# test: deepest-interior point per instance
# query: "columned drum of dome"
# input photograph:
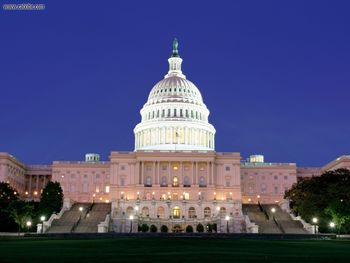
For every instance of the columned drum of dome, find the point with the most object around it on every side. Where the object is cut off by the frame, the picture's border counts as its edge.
(174, 116)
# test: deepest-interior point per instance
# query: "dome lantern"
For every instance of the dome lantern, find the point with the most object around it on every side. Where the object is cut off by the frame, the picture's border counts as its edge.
(175, 61)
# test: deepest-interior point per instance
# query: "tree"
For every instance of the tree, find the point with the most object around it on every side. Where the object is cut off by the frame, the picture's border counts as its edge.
(164, 229)
(20, 212)
(153, 228)
(210, 228)
(51, 199)
(325, 197)
(200, 228)
(189, 229)
(144, 228)
(7, 195)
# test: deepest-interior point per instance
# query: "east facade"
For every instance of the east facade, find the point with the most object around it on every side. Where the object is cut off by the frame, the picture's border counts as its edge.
(174, 173)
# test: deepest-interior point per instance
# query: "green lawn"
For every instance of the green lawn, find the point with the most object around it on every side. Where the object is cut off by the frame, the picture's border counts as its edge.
(172, 249)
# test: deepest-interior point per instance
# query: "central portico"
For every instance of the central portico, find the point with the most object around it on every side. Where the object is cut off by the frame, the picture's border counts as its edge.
(177, 186)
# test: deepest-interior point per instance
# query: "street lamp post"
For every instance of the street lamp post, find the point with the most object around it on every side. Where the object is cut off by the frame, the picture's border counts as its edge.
(42, 219)
(227, 218)
(332, 225)
(131, 217)
(29, 224)
(314, 221)
(273, 210)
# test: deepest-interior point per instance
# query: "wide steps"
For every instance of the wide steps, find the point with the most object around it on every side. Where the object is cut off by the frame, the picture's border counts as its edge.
(89, 223)
(285, 223)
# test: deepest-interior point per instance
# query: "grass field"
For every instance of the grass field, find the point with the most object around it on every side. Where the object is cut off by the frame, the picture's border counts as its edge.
(172, 249)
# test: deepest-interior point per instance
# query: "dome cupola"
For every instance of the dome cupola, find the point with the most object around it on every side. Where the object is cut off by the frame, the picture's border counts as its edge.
(174, 116)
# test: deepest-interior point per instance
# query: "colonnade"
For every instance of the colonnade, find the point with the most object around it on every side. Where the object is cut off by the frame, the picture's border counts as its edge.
(193, 170)
(174, 135)
(35, 183)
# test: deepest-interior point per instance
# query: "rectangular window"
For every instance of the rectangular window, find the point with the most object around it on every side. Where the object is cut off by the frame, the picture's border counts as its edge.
(228, 168)
(275, 177)
(107, 189)
(286, 177)
(85, 187)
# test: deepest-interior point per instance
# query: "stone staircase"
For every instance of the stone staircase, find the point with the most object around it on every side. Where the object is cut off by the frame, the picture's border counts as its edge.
(277, 222)
(69, 219)
(85, 221)
(285, 221)
(258, 217)
(97, 214)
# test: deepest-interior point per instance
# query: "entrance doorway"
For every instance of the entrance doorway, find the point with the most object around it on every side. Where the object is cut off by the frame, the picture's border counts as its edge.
(176, 212)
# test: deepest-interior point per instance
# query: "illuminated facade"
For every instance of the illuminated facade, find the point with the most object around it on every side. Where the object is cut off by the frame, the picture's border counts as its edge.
(174, 176)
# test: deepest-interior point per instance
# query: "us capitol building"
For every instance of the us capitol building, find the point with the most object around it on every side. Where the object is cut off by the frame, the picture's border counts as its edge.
(174, 176)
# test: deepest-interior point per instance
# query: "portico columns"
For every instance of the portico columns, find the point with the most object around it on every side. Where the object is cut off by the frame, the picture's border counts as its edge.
(30, 185)
(37, 183)
(154, 174)
(212, 172)
(142, 171)
(193, 174)
(169, 179)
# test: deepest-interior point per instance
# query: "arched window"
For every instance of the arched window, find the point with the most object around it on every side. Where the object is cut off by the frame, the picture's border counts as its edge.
(145, 212)
(202, 181)
(85, 187)
(129, 211)
(161, 212)
(164, 181)
(176, 212)
(148, 181)
(227, 181)
(207, 212)
(175, 181)
(222, 211)
(187, 181)
(191, 212)
(122, 181)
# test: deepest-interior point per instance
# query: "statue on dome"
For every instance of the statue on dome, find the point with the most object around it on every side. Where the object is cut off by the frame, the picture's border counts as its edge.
(175, 48)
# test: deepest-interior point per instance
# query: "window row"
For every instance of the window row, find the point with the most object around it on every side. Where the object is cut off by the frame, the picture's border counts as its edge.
(174, 113)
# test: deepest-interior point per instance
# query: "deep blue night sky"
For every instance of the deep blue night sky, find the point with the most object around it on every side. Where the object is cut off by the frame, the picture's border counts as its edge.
(274, 74)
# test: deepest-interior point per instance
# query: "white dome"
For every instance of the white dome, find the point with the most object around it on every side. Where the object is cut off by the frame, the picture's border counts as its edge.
(174, 116)
(175, 89)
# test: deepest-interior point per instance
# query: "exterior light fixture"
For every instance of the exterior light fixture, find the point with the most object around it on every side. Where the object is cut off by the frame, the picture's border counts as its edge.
(315, 220)
(227, 218)
(273, 210)
(81, 209)
(332, 225)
